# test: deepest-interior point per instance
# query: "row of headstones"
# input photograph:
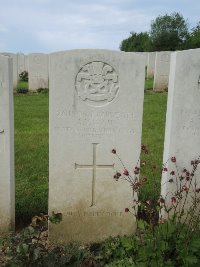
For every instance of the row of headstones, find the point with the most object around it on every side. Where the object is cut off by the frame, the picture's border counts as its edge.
(96, 104)
(37, 64)
(157, 68)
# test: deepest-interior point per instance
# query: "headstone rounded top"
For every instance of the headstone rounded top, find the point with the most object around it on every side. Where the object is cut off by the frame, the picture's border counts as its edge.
(97, 83)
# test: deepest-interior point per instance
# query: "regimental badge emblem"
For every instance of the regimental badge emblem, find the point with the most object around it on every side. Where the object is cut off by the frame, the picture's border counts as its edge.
(97, 83)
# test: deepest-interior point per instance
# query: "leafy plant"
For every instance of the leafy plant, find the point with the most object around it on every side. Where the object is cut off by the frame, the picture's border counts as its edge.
(23, 76)
(168, 228)
(137, 42)
(194, 40)
(30, 247)
(43, 90)
(169, 32)
(22, 90)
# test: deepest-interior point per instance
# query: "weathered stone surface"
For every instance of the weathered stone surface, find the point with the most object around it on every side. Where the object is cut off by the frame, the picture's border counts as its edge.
(151, 64)
(7, 184)
(145, 55)
(15, 67)
(26, 62)
(96, 104)
(161, 72)
(38, 71)
(21, 63)
(182, 133)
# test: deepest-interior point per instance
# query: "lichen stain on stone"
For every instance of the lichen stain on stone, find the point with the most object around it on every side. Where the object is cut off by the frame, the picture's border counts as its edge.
(5, 225)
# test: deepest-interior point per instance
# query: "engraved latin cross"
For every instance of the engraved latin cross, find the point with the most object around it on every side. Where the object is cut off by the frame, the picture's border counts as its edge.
(94, 166)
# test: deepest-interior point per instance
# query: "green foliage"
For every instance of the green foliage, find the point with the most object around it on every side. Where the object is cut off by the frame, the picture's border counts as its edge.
(194, 40)
(173, 238)
(118, 251)
(30, 248)
(22, 87)
(43, 90)
(23, 76)
(169, 32)
(137, 42)
(22, 90)
(26, 247)
(161, 246)
(55, 218)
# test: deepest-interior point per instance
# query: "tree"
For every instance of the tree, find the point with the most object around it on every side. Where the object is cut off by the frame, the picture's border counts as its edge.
(194, 41)
(169, 32)
(137, 42)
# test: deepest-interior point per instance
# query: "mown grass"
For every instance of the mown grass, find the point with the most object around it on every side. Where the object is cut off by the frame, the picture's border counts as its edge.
(31, 148)
(153, 129)
(149, 84)
(31, 155)
(22, 85)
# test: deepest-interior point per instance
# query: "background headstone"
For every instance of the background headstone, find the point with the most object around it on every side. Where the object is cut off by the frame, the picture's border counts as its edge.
(38, 71)
(182, 132)
(145, 55)
(26, 62)
(151, 64)
(21, 63)
(7, 183)
(15, 67)
(161, 72)
(96, 104)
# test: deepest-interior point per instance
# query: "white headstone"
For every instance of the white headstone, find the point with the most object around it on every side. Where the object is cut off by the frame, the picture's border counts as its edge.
(182, 133)
(15, 67)
(145, 55)
(26, 62)
(96, 104)
(151, 64)
(21, 63)
(161, 72)
(38, 71)
(7, 184)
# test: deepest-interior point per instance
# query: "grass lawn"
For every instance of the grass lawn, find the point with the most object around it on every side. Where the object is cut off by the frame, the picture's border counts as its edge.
(153, 129)
(149, 84)
(22, 84)
(31, 155)
(31, 148)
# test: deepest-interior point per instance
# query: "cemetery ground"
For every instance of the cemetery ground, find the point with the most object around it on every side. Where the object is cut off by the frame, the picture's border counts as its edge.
(31, 169)
(31, 148)
(163, 244)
